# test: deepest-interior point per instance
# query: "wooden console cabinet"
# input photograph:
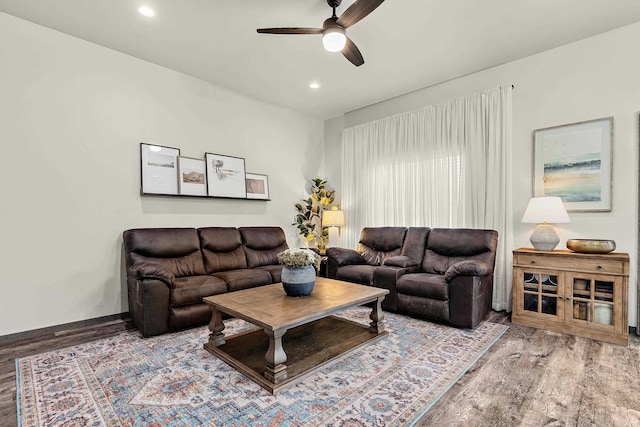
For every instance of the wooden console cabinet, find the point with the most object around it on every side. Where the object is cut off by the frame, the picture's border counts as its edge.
(573, 293)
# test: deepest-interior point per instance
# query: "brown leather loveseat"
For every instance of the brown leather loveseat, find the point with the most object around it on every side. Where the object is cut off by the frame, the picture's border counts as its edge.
(441, 274)
(170, 270)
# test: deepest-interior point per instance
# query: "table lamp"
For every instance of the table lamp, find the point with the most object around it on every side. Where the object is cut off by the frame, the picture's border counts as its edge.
(333, 218)
(543, 211)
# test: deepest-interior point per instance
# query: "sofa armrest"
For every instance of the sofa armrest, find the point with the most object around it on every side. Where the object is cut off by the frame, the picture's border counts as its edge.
(401, 261)
(342, 256)
(470, 300)
(151, 270)
(149, 305)
(467, 268)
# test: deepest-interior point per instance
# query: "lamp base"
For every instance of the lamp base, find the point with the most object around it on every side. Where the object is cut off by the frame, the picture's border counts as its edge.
(544, 238)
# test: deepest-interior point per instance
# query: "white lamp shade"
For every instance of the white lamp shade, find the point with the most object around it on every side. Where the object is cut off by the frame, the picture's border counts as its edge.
(545, 209)
(332, 218)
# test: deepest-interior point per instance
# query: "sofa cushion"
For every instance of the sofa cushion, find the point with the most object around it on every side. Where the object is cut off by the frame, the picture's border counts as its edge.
(424, 285)
(262, 245)
(244, 278)
(188, 316)
(448, 246)
(221, 249)
(361, 273)
(191, 290)
(415, 242)
(379, 243)
(424, 308)
(176, 250)
(275, 271)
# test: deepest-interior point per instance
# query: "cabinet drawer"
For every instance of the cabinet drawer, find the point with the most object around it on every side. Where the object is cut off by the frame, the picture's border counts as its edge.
(581, 264)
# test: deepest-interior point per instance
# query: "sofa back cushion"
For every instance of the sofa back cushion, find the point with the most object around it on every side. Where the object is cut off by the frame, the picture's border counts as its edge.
(221, 249)
(379, 243)
(447, 246)
(175, 249)
(262, 245)
(415, 243)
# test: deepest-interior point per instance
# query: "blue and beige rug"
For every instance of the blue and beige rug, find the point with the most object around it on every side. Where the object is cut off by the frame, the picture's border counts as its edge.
(172, 381)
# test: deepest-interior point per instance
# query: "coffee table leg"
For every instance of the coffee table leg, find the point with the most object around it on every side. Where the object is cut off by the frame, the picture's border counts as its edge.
(276, 370)
(377, 318)
(216, 337)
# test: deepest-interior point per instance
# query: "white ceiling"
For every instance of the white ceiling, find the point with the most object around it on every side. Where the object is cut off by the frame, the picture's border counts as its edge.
(406, 44)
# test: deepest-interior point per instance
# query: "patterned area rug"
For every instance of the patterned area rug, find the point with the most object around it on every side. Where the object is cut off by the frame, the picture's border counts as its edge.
(171, 380)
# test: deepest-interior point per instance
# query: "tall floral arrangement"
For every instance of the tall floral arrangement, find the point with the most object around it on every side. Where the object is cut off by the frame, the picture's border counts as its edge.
(309, 216)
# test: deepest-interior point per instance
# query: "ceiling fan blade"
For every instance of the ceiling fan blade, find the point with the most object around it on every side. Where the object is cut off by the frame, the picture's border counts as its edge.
(357, 11)
(289, 30)
(352, 53)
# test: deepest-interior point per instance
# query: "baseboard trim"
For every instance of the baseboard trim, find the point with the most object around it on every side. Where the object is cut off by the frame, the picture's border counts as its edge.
(66, 328)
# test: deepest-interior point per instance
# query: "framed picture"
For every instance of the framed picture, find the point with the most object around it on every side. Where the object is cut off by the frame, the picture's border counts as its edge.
(192, 176)
(225, 176)
(158, 169)
(257, 186)
(574, 162)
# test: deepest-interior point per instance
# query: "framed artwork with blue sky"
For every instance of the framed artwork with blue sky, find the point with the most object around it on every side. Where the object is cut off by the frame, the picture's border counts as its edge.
(574, 162)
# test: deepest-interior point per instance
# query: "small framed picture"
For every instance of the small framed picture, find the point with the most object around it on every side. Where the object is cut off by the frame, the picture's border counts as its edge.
(225, 176)
(158, 169)
(574, 162)
(192, 176)
(257, 186)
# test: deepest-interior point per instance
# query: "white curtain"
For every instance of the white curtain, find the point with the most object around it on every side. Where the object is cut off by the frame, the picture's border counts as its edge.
(445, 165)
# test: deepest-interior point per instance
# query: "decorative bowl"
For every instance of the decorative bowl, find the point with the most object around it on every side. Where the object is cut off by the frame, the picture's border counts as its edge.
(591, 246)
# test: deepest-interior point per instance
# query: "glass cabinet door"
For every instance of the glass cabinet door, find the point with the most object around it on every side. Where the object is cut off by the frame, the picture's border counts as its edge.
(540, 292)
(592, 299)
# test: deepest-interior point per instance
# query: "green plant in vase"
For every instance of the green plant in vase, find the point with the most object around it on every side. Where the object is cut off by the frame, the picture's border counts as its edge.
(309, 216)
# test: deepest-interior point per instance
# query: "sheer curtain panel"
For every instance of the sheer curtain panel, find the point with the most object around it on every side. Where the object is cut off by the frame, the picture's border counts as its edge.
(444, 165)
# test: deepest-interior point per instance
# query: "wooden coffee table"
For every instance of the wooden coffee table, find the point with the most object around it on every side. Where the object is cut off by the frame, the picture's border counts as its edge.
(313, 337)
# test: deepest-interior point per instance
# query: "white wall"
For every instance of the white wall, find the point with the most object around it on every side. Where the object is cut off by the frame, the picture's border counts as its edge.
(589, 79)
(72, 116)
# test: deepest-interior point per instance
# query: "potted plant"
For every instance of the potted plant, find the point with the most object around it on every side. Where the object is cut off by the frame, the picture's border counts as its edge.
(309, 216)
(299, 272)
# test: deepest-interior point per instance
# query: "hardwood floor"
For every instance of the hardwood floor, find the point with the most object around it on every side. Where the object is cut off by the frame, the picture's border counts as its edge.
(533, 377)
(530, 377)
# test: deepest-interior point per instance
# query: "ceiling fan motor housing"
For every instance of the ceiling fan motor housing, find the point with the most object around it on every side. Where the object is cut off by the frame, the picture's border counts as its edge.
(330, 23)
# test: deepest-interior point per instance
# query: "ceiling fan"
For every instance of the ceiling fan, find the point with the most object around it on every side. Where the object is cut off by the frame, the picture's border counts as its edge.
(334, 37)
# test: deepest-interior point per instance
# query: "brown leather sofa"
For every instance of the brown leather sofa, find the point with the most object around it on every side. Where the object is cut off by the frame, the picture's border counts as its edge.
(170, 270)
(438, 274)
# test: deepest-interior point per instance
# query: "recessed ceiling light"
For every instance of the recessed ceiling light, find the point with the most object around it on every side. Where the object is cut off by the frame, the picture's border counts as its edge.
(314, 85)
(146, 11)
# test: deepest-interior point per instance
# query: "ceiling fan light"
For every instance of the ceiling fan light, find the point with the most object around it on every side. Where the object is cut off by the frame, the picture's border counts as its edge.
(334, 39)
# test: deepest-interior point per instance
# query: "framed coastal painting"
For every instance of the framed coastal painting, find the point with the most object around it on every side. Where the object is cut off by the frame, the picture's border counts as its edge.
(225, 176)
(574, 162)
(158, 169)
(257, 186)
(192, 176)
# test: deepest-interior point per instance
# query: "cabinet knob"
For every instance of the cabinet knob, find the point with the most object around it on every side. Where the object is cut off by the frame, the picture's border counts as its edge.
(599, 267)
(533, 261)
